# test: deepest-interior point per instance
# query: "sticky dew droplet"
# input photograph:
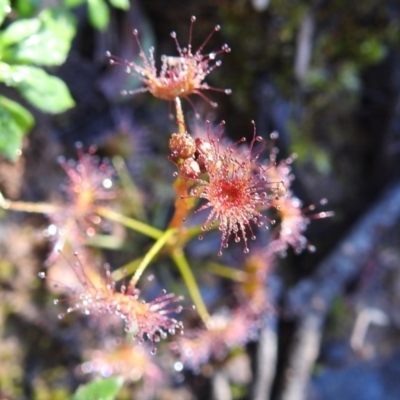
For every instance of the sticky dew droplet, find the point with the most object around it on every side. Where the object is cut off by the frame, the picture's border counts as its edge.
(274, 135)
(311, 248)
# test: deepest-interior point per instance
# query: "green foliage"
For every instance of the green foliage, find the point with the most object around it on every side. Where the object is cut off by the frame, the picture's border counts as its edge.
(46, 92)
(98, 10)
(15, 121)
(99, 15)
(44, 40)
(122, 4)
(4, 9)
(26, 8)
(102, 389)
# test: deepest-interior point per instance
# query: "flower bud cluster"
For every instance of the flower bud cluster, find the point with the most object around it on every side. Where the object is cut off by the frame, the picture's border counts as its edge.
(235, 185)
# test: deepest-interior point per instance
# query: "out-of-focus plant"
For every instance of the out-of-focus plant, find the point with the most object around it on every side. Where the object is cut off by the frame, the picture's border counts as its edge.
(26, 44)
(105, 389)
(98, 10)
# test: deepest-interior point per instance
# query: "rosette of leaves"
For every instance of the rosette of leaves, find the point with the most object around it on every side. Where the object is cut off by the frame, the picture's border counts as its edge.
(26, 45)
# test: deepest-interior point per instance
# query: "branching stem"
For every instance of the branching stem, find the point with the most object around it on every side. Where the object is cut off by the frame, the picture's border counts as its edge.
(130, 223)
(154, 250)
(181, 262)
(40, 208)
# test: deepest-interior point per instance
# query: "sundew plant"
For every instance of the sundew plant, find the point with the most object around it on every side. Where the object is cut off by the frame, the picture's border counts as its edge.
(195, 289)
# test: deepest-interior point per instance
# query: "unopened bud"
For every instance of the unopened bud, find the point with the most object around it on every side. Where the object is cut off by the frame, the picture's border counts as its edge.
(205, 151)
(182, 145)
(281, 189)
(190, 169)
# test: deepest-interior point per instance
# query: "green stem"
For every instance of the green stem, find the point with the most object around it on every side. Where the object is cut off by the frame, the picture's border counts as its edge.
(135, 200)
(130, 223)
(227, 272)
(194, 231)
(110, 242)
(126, 269)
(41, 208)
(184, 268)
(157, 246)
(179, 116)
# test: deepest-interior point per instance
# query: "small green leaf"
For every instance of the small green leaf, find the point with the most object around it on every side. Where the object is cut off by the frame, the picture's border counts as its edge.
(103, 389)
(372, 50)
(322, 161)
(19, 31)
(99, 14)
(25, 8)
(44, 91)
(5, 8)
(122, 4)
(15, 122)
(49, 45)
(73, 3)
(21, 115)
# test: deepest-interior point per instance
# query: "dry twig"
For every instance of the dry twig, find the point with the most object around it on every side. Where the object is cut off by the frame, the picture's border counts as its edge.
(311, 299)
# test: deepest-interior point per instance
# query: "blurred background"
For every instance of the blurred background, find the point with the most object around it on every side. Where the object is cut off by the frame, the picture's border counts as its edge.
(326, 76)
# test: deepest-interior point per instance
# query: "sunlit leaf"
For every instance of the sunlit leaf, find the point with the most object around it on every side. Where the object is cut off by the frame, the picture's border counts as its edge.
(99, 14)
(5, 8)
(103, 389)
(73, 3)
(49, 45)
(122, 4)
(15, 122)
(26, 9)
(19, 31)
(44, 91)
